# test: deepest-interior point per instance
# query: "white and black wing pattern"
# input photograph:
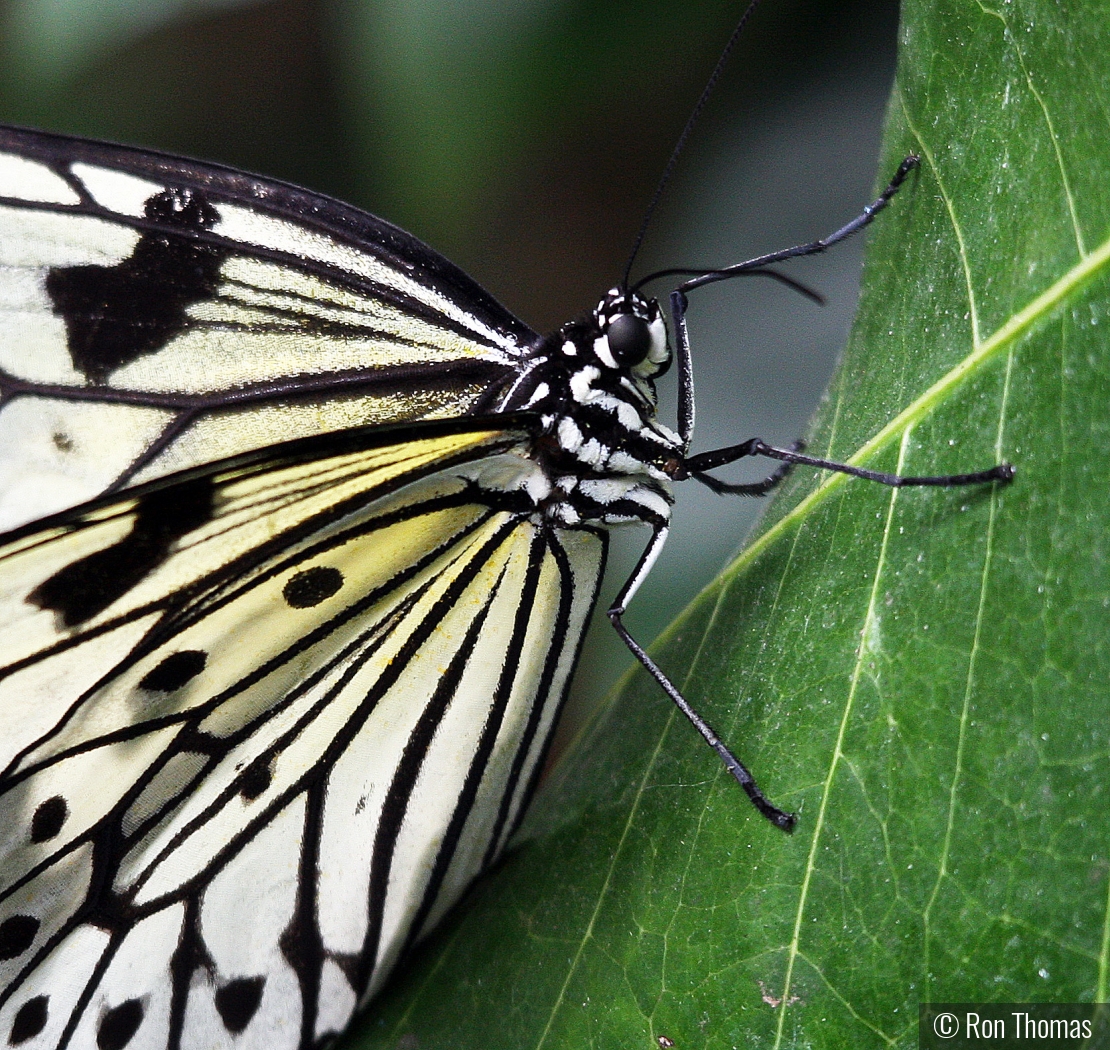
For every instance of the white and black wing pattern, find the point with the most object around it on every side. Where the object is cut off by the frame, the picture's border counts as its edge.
(262, 723)
(158, 313)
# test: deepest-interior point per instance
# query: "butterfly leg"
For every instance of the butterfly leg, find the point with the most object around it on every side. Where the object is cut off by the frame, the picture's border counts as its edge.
(864, 218)
(737, 768)
(695, 466)
(685, 368)
(752, 488)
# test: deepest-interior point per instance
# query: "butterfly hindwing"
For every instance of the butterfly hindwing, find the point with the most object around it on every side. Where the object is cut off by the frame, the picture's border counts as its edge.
(278, 746)
(157, 314)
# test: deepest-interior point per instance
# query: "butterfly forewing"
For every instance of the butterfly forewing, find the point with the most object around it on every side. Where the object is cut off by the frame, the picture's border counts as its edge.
(281, 743)
(156, 314)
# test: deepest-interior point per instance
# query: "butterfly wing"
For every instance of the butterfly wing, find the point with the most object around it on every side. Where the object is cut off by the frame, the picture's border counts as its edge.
(158, 313)
(262, 723)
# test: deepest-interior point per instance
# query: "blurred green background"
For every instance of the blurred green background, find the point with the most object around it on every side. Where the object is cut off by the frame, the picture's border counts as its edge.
(523, 139)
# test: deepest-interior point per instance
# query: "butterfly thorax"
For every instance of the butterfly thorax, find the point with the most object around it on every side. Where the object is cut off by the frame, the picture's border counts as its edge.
(605, 455)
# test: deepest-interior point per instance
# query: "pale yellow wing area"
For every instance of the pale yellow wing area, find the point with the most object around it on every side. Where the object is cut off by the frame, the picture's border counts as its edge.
(297, 698)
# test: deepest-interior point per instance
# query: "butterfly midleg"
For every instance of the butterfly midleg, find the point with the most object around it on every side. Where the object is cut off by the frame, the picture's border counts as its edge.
(752, 488)
(695, 466)
(616, 611)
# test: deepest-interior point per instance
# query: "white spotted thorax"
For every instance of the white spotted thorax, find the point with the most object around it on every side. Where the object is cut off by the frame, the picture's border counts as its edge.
(603, 456)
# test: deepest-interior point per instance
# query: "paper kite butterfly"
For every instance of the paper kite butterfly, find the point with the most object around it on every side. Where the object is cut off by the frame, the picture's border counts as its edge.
(302, 533)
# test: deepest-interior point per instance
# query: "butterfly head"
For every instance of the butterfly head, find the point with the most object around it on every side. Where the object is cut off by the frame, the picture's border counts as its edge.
(631, 334)
(614, 352)
(604, 365)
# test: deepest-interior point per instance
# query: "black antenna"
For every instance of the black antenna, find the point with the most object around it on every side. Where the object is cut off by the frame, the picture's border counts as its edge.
(718, 69)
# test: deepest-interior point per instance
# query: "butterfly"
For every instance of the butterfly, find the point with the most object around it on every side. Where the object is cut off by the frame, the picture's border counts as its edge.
(303, 534)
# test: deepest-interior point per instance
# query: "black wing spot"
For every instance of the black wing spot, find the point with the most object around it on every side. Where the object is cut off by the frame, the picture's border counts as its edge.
(237, 1001)
(16, 935)
(48, 819)
(88, 586)
(116, 314)
(30, 1019)
(312, 586)
(175, 671)
(62, 441)
(256, 779)
(119, 1025)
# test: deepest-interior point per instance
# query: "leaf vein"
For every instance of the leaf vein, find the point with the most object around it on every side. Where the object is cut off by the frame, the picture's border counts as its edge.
(965, 263)
(888, 1039)
(1104, 953)
(587, 934)
(1053, 138)
(965, 707)
(794, 949)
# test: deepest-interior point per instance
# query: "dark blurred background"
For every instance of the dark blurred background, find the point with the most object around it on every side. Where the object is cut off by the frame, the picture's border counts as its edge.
(523, 139)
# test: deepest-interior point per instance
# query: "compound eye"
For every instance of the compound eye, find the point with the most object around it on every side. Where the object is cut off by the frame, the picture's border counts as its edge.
(629, 339)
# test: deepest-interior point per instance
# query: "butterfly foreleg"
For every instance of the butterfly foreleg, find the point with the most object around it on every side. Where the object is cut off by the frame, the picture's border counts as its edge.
(684, 368)
(864, 218)
(737, 768)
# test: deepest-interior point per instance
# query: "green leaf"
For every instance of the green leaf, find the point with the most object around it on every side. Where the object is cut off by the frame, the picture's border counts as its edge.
(920, 674)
